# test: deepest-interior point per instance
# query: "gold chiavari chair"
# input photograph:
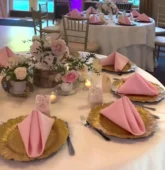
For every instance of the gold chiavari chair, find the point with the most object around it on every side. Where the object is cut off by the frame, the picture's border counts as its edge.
(160, 25)
(39, 18)
(76, 34)
(124, 6)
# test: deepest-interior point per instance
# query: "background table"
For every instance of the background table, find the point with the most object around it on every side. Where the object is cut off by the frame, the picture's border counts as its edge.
(92, 152)
(135, 42)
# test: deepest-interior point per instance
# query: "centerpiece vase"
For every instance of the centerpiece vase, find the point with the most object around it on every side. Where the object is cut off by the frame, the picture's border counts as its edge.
(18, 87)
(44, 78)
(67, 87)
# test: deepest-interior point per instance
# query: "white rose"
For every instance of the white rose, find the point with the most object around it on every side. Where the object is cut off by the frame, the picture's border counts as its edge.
(36, 38)
(12, 61)
(47, 42)
(58, 77)
(21, 73)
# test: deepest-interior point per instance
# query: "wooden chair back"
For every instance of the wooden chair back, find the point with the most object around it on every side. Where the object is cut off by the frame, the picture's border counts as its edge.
(43, 8)
(161, 16)
(36, 16)
(124, 6)
(76, 30)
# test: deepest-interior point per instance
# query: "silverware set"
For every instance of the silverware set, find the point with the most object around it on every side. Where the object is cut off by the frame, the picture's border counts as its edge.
(86, 124)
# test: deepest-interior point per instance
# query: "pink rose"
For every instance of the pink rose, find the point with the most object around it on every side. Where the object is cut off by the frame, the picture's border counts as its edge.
(34, 48)
(58, 47)
(70, 77)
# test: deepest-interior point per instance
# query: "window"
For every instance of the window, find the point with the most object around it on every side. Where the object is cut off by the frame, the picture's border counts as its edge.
(135, 2)
(24, 5)
(21, 5)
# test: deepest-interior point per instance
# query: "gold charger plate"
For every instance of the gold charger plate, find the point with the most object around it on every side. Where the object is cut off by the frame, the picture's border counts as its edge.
(129, 67)
(139, 98)
(12, 147)
(102, 123)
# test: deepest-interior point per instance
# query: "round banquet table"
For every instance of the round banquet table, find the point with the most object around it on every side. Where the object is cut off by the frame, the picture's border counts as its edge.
(92, 151)
(135, 42)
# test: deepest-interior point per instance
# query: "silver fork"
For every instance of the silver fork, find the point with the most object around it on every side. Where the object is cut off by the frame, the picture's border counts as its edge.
(86, 124)
(70, 145)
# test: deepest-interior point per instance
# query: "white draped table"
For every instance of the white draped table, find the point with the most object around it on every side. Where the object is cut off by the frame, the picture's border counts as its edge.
(135, 42)
(92, 151)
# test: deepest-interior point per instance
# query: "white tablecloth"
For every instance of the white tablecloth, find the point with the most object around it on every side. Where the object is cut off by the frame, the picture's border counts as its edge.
(92, 152)
(135, 42)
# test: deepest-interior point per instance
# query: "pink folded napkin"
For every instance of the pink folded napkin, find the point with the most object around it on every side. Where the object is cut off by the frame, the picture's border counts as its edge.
(5, 53)
(43, 104)
(34, 130)
(94, 19)
(118, 60)
(75, 14)
(137, 85)
(91, 10)
(143, 17)
(123, 113)
(124, 20)
(135, 13)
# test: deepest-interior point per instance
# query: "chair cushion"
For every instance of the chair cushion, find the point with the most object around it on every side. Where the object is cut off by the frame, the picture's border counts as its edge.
(160, 41)
(159, 31)
(91, 46)
(51, 29)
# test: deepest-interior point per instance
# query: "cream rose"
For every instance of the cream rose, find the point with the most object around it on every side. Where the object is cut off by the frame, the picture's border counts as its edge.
(21, 73)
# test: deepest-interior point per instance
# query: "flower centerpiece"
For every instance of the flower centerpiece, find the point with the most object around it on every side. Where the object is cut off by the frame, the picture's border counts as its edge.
(17, 75)
(107, 7)
(53, 64)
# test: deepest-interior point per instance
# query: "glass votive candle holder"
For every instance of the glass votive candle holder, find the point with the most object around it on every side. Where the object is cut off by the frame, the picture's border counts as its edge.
(53, 97)
(95, 96)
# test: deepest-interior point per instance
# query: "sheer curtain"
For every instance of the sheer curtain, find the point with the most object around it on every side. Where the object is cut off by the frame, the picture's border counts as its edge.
(146, 7)
(3, 8)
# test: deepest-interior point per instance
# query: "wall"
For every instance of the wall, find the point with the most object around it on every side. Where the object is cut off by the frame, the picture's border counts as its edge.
(155, 7)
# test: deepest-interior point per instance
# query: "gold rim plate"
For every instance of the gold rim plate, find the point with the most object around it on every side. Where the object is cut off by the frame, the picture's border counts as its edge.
(129, 67)
(139, 98)
(12, 147)
(102, 123)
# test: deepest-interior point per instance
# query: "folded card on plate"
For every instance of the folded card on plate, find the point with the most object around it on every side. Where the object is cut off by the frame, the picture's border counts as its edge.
(137, 85)
(5, 53)
(34, 131)
(124, 114)
(118, 60)
(143, 17)
(43, 104)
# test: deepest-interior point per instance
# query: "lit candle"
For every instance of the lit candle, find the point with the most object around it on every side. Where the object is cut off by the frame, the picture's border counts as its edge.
(88, 84)
(67, 67)
(52, 97)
